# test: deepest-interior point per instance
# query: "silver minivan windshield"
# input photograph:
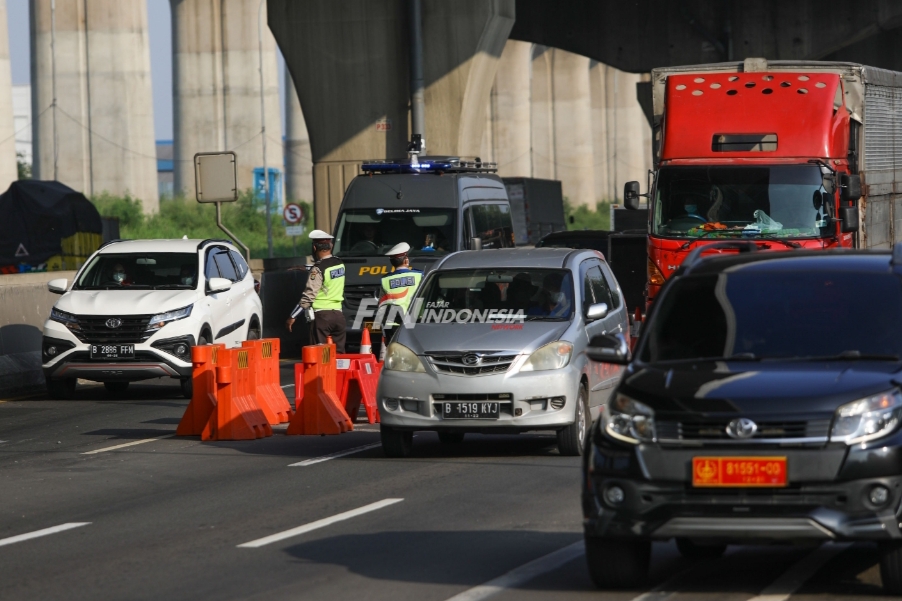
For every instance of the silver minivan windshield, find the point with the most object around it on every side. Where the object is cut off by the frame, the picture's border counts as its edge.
(537, 294)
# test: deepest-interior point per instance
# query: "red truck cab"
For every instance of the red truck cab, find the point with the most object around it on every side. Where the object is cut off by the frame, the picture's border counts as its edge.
(761, 155)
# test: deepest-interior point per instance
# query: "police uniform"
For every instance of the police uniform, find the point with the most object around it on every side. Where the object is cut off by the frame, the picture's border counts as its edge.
(324, 295)
(398, 288)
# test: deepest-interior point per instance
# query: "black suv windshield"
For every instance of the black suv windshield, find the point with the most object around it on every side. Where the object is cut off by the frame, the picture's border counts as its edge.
(372, 232)
(537, 294)
(762, 314)
(787, 201)
(131, 271)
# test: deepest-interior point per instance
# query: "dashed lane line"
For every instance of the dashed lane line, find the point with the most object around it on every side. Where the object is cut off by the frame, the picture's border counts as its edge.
(39, 533)
(792, 579)
(288, 386)
(274, 538)
(522, 574)
(127, 444)
(335, 455)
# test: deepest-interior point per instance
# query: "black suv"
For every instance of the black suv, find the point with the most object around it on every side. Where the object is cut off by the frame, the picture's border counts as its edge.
(763, 404)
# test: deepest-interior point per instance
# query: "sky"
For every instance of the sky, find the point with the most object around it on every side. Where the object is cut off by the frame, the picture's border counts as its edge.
(160, 29)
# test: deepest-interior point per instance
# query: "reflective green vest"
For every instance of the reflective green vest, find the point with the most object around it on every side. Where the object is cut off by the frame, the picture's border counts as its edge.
(399, 287)
(332, 293)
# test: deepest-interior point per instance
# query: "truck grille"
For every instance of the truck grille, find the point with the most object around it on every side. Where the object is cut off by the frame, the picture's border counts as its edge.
(454, 363)
(354, 295)
(716, 430)
(93, 329)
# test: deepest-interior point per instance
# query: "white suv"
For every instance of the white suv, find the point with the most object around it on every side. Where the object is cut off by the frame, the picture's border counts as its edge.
(138, 306)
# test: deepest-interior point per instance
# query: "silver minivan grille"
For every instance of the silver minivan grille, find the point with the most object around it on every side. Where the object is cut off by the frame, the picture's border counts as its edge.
(487, 362)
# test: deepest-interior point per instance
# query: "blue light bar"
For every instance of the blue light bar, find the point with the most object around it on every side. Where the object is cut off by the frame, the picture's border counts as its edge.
(428, 165)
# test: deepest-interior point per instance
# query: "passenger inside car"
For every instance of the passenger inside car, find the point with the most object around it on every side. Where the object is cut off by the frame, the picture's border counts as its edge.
(554, 300)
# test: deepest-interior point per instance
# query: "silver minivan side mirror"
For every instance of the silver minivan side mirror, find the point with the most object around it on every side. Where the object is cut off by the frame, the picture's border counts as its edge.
(609, 348)
(597, 311)
(58, 286)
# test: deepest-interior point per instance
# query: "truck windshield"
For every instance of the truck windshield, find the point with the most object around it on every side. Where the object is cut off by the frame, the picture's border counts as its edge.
(373, 232)
(135, 271)
(786, 201)
(536, 294)
(768, 314)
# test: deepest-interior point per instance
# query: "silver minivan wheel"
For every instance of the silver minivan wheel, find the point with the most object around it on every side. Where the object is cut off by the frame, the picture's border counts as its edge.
(572, 439)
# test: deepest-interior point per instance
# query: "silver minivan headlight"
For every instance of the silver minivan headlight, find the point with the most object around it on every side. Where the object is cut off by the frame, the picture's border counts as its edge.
(554, 355)
(400, 358)
(868, 418)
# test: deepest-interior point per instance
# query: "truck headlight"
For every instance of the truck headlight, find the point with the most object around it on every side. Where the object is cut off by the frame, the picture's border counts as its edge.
(551, 356)
(867, 418)
(400, 358)
(628, 420)
(161, 319)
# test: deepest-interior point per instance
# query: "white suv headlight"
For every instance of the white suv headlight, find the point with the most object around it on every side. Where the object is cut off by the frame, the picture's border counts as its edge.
(400, 358)
(551, 356)
(628, 420)
(867, 418)
(161, 319)
(67, 319)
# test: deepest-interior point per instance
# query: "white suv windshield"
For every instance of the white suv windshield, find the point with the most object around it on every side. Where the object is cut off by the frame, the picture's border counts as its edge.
(130, 271)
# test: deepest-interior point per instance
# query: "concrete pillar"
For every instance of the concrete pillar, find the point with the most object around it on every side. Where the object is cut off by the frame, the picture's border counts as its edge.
(216, 87)
(104, 114)
(8, 169)
(487, 149)
(629, 136)
(573, 148)
(542, 115)
(597, 83)
(350, 63)
(298, 160)
(511, 121)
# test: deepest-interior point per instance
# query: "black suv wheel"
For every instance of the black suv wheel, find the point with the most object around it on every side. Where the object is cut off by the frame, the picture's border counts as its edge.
(891, 567)
(617, 563)
(396, 443)
(61, 390)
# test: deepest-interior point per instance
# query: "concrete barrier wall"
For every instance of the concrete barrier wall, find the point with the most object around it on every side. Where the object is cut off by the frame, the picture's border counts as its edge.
(25, 304)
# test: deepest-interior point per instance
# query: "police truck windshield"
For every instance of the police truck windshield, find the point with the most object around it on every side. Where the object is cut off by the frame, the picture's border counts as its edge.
(785, 201)
(372, 232)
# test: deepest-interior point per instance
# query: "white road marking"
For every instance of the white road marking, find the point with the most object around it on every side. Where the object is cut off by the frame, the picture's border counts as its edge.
(40, 533)
(316, 460)
(273, 538)
(523, 574)
(288, 386)
(127, 444)
(792, 579)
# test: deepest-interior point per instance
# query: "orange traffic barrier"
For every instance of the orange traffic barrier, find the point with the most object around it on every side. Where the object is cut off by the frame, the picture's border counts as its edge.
(203, 392)
(357, 378)
(265, 365)
(317, 407)
(237, 415)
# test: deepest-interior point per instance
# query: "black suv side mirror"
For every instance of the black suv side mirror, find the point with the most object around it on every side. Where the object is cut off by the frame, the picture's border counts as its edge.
(849, 218)
(849, 187)
(609, 348)
(631, 195)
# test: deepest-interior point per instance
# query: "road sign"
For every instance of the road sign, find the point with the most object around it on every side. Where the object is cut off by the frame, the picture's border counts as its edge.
(215, 177)
(293, 213)
(294, 230)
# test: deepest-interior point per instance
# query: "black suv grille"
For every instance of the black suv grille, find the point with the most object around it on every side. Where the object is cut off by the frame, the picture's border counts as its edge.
(354, 295)
(717, 430)
(94, 329)
(453, 363)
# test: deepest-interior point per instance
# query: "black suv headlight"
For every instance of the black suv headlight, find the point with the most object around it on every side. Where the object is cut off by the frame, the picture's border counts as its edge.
(628, 420)
(868, 418)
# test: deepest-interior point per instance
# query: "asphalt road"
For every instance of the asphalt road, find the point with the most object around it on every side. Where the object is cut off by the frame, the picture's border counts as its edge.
(175, 518)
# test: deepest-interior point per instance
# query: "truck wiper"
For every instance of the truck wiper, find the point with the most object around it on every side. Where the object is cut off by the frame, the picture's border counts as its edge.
(775, 238)
(850, 356)
(689, 243)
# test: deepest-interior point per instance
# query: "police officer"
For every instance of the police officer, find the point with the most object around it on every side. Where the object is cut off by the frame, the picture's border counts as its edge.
(398, 288)
(325, 291)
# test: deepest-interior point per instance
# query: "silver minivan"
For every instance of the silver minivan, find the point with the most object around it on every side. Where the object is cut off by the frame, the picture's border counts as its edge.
(494, 342)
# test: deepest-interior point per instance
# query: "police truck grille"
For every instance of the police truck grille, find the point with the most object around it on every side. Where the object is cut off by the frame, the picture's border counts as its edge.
(94, 329)
(354, 295)
(457, 363)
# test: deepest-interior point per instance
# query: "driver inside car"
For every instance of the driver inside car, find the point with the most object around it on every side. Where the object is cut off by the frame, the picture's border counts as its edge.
(118, 275)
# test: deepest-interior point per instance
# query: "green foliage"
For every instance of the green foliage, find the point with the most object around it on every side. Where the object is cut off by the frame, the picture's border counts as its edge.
(23, 167)
(585, 218)
(183, 217)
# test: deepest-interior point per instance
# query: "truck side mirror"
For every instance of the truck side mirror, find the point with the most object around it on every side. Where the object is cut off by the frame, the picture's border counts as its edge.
(849, 218)
(631, 195)
(849, 187)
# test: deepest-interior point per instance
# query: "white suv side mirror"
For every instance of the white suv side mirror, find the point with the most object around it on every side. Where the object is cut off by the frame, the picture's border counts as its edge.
(58, 286)
(218, 284)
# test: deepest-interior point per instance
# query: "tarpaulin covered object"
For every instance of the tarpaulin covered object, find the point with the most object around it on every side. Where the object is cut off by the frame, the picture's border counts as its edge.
(47, 222)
